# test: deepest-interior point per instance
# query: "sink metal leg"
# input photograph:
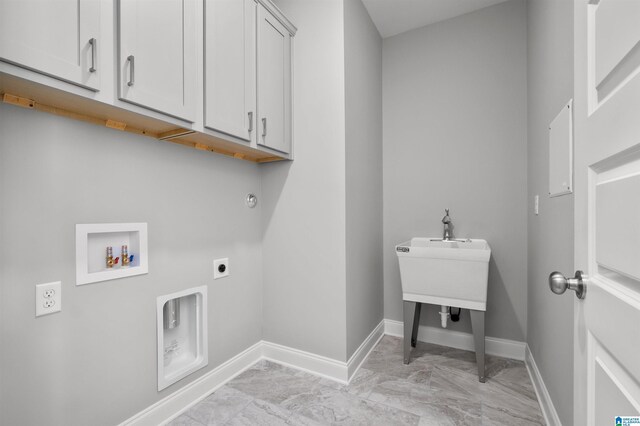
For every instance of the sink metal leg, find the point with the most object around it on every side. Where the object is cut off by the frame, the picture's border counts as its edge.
(416, 323)
(477, 324)
(411, 312)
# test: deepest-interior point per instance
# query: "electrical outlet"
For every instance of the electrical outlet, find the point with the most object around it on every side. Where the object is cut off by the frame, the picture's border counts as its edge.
(221, 268)
(48, 298)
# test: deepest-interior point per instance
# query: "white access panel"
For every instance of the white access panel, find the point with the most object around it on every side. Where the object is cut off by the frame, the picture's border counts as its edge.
(561, 152)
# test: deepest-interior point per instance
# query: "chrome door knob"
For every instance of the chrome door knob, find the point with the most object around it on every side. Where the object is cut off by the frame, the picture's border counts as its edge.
(558, 284)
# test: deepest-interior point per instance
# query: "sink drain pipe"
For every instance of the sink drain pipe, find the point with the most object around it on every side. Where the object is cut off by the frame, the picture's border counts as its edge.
(444, 315)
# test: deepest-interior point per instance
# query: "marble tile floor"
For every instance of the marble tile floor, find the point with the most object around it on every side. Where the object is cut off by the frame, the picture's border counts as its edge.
(439, 387)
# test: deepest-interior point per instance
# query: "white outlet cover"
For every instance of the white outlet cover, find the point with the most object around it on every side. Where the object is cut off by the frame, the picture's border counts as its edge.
(216, 265)
(48, 298)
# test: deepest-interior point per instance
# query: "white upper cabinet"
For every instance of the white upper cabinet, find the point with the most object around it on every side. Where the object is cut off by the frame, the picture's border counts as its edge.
(58, 38)
(274, 83)
(211, 74)
(158, 55)
(230, 67)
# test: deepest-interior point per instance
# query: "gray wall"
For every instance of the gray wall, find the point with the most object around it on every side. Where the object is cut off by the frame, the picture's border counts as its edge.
(454, 108)
(303, 201)
(363, 102)
(305, 263)
(550, 85)
(94, 362)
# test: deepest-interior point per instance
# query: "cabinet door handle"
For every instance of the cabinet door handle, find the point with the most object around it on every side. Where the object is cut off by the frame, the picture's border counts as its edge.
(132, 70)
(250, 121)
(94, 51)
(264, 127)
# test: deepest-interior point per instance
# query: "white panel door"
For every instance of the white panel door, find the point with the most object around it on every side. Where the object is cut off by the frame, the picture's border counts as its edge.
(274, 83)
(230, 67)
(607, 210)
(157, 55)
(59, 38)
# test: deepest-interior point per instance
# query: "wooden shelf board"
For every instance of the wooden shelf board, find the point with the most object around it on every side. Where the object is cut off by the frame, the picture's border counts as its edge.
(30, 95)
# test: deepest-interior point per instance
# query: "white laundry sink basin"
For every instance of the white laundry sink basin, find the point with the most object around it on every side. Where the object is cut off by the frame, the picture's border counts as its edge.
(449, 273)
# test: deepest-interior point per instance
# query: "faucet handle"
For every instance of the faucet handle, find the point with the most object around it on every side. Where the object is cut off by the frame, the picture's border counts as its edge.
(446, 218)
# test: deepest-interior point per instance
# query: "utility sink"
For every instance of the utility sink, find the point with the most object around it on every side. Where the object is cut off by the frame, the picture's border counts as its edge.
(446, 273)
(449, 273)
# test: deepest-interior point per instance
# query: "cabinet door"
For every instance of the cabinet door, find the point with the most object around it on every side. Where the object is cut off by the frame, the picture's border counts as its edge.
(158, 63)
(230, 67)
(274, 83)
(59, 38)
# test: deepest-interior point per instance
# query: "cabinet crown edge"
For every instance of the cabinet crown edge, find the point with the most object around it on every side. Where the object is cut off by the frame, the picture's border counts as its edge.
(277, 13)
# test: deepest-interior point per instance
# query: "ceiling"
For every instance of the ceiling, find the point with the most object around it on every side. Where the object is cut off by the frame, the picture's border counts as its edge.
(393, 17)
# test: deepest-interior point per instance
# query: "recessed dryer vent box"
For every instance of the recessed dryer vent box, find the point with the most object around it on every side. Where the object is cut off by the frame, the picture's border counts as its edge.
(92, 241)
(182, 334)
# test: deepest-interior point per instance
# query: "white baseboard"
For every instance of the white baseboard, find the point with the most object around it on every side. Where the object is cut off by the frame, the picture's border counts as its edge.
(546, 404)
(441, 336)
(318, 365)
(184, 398)
(362, 353)
(306, 361)
(171, 406)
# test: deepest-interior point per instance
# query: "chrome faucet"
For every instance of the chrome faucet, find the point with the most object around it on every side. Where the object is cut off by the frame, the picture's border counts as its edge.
(448, 226)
